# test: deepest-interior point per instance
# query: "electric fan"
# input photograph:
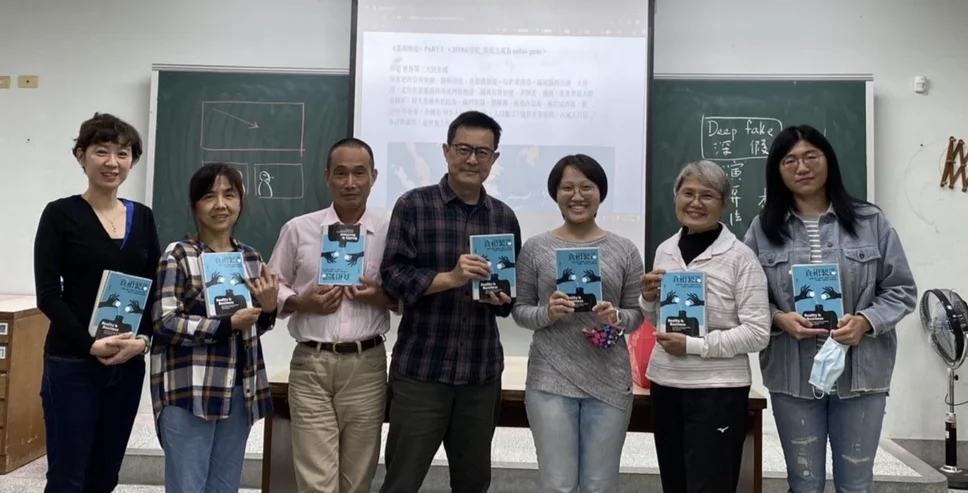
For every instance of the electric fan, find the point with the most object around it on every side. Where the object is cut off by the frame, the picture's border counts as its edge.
(944, 316)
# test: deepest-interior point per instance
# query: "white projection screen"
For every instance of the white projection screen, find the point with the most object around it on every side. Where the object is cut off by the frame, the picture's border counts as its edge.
(560, 77)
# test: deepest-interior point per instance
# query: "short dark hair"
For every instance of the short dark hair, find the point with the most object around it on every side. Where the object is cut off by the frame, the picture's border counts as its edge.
(205, 177)
(587, 165)
(779, 198)
(353, 143)
(105, 128)
(474, 119)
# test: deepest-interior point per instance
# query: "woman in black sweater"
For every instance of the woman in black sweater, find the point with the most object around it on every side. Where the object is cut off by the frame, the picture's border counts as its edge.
(92, 388)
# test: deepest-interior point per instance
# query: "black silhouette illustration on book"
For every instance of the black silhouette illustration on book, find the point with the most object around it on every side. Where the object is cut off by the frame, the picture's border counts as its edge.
(590, 277)
(135, 307)
(504, 263)
(583, 301)
(108, 327)
(353, 258)
(804, 294)
(113, 301)
(493, 285)
(216, 279)
(670, 299)
(330, 256)
(228, 303)
(336, 234)
(829, 293)
(683, 324)
(694, 300)
(820, 318)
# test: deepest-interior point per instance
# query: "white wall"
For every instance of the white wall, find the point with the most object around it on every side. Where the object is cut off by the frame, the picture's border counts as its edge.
(100, 61)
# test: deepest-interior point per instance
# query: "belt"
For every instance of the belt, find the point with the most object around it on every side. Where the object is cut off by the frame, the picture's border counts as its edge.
(345, 347)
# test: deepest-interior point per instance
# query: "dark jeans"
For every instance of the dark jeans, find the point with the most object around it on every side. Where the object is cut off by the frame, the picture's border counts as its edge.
(699, 435)
(425, 414)
(89, 410)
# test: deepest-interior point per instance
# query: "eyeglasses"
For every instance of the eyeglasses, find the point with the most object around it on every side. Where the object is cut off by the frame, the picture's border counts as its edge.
(584, 190)
(809, 159)
(481, 153)
(706, 198)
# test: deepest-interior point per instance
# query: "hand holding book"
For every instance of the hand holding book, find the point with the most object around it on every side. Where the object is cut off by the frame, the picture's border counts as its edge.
(244, 318)
(851, 329)
(470, 267)
(370, 293)
(125, 347)
(650, 284)
(673, 343)
(605, 313)
(108, 346)
(265, 289)
(796, 325)
(321, 300)
(559, 305)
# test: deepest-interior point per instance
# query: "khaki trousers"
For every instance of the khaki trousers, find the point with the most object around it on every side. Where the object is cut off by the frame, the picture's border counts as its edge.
(337, 403)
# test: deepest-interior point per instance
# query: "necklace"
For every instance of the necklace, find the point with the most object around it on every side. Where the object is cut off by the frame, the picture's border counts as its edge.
(114, 228)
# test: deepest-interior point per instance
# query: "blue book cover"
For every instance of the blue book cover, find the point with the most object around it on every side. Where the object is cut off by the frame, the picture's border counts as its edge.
(498, 250)
(120, 304)
(682, 303)
(817, 294)
(579, 276)
(225, 289)
(341, 259)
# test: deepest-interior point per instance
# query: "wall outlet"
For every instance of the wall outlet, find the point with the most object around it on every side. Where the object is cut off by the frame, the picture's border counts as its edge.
(4, 82)
(28, 81)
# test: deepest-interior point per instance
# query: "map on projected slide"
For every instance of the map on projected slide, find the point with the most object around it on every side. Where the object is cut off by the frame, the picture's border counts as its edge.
(519, 177)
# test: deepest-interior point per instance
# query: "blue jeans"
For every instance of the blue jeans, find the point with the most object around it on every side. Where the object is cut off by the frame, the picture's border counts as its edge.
(854, 428)
(204, 456)
(578, 442)
(89, 410)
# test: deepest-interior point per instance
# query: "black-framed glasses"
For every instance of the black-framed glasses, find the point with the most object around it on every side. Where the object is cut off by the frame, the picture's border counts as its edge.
(481, 153)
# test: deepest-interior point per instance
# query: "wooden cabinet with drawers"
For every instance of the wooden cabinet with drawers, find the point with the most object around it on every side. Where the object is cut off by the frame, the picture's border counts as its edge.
(23, 329)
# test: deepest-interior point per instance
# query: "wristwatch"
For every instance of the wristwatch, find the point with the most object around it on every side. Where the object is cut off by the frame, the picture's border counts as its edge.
(147, 343)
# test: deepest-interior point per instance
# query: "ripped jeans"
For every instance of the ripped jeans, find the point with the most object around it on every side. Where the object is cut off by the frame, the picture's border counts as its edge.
(854, 428)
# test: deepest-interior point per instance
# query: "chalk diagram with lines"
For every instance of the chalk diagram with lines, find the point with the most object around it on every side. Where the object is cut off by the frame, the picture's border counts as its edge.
(258, 127)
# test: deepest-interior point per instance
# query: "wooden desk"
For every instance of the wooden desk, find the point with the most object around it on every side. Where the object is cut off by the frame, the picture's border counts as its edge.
(277, 469)
(23, 329)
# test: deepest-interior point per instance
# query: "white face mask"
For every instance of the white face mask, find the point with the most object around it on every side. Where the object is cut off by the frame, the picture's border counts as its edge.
(828, 365)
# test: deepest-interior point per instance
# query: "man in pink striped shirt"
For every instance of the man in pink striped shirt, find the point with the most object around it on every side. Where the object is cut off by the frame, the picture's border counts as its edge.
(338, 371)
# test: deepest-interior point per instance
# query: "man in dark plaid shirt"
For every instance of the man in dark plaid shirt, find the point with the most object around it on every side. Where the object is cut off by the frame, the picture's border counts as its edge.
(445, 374)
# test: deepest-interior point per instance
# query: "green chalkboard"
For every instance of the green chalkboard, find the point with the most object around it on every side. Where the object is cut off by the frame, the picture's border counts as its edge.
(275, 128)
(733, 122)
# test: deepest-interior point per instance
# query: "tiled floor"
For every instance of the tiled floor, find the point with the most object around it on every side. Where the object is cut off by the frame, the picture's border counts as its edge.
(515, 445)
(510, 446)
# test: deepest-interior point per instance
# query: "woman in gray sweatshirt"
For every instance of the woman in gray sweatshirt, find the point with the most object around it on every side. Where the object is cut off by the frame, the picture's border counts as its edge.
(579, 385)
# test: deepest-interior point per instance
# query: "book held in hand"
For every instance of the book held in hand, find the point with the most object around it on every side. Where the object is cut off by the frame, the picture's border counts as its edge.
(579, 276)
(817, 294)
(682, 303)
(120, 304)
(225, 274)
(498, 251)
(341, 259)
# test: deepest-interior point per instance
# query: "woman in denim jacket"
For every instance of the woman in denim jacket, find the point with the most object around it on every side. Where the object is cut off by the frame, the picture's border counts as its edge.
(809, 217)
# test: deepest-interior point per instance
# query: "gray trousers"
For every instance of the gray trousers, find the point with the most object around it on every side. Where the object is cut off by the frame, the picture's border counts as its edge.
(425, 414)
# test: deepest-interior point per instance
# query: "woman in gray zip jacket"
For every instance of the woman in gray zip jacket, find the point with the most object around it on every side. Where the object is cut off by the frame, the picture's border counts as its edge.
(810, 218)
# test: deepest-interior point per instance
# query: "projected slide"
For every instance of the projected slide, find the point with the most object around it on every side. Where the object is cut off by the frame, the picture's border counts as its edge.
(571, 81)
